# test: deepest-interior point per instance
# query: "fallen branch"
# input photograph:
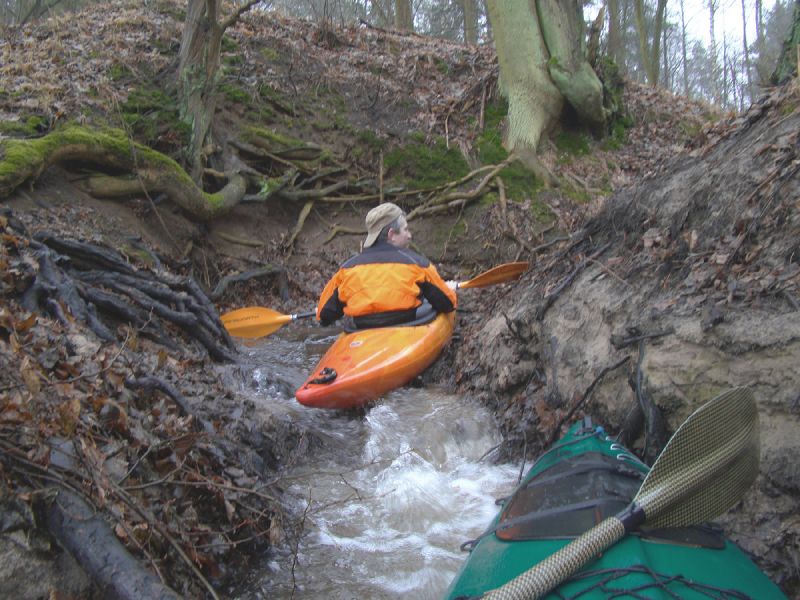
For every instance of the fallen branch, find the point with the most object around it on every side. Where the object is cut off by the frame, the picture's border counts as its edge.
(620, 342)
(23, 160)
(474, 194)
(94, 546)
(150, 384)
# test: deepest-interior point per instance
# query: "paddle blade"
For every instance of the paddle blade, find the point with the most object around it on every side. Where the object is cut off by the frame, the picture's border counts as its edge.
(253, 322)
(499, 274)
(706, 466)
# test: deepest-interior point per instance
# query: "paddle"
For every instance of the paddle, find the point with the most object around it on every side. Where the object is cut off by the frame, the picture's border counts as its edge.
(499, 274)
(257, 321)
(705, 468)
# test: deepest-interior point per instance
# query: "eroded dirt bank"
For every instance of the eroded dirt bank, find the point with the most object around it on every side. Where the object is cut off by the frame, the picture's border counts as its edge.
(684, 285)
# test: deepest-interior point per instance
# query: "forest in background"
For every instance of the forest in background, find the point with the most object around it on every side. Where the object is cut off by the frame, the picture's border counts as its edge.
(649, 39)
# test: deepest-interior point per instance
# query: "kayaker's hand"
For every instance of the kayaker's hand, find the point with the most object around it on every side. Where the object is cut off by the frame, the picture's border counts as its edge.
(453, 285)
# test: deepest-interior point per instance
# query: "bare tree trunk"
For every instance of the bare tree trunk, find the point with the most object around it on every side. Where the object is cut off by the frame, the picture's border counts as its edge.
(614, 39)
(471, 22)
(641, 30)
(542, 58)
(712, 51)
(403, 17)
(650, 57)
(683, 51)
(666, 75)
(790, 54)
(747, 66)
(760, 28)
(726, 85)
(197, 71)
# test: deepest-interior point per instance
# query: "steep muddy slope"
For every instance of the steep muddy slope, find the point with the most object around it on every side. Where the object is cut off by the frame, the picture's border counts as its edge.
(685, 284)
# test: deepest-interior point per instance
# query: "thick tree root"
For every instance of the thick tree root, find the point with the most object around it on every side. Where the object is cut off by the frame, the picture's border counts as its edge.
(23, 160)
(86, 278)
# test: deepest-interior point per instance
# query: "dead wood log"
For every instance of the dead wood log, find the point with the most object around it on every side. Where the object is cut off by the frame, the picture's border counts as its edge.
(117, 307)
(151, 300)
(52, 285)
(91, 542)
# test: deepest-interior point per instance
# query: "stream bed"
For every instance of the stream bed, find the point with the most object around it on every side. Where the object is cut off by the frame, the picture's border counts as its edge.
(395, 491)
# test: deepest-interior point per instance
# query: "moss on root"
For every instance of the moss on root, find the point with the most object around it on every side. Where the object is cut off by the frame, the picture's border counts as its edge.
(22, 160)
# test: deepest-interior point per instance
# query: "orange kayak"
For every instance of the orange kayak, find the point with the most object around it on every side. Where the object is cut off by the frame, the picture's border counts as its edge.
(363, 365)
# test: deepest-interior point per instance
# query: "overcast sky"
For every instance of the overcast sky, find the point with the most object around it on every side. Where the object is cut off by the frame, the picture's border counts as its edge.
(728, 18)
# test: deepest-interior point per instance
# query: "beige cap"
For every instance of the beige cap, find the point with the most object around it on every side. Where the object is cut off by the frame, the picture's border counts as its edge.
(378, 218)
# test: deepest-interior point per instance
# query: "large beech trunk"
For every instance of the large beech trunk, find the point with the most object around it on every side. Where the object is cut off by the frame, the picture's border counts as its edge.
(542, 60)
(534, 102)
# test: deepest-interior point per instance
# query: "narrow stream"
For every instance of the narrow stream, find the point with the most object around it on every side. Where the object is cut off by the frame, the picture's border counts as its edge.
(393, 495)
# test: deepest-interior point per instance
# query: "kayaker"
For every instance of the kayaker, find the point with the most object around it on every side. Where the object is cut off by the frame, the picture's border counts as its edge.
(386, 283)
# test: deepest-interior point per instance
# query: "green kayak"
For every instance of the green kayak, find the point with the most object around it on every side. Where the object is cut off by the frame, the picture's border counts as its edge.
(577, 483)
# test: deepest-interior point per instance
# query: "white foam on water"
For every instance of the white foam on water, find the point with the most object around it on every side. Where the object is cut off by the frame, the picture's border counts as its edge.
(391, 507)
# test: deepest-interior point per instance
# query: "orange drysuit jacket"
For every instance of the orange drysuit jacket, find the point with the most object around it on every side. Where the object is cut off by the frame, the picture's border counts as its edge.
(384, 279)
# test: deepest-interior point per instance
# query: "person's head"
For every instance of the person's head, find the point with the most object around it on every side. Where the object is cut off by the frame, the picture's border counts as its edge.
(387, 222)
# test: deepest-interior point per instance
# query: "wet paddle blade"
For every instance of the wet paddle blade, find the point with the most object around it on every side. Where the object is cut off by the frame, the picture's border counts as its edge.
(499, 274)
(254, 321)
(704, 469)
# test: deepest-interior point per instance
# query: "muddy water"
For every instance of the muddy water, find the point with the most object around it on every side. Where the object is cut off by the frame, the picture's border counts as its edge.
(393, 493)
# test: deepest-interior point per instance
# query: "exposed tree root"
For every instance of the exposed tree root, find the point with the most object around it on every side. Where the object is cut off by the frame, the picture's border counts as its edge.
(265, 271)
(77, 279)
(301, 219)
(241, 241)
(21, 160)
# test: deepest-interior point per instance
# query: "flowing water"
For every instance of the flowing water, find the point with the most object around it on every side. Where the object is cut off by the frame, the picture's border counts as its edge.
(391, 496)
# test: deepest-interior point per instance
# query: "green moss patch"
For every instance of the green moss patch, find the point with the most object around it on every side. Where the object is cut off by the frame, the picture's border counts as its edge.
(367, 137)
(235, 93)
(153, 118)
(420, 165)
(119, 72)
(26, 127)
(228, 44)
(618, 134)
(573, 144)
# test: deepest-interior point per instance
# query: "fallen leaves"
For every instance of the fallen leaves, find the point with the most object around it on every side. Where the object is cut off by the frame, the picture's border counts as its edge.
(69, 417)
